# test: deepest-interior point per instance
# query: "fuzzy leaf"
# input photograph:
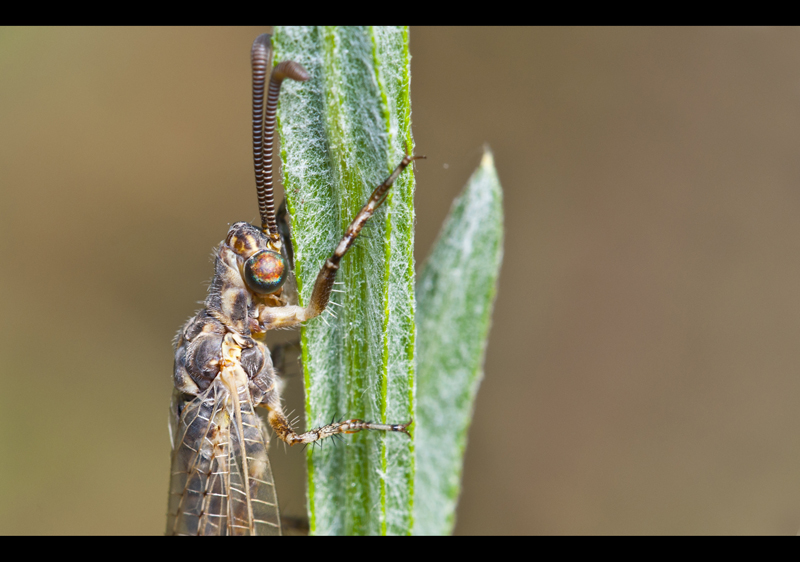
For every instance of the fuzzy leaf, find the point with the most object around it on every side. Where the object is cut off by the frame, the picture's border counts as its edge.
(455, 295)
(342, 133)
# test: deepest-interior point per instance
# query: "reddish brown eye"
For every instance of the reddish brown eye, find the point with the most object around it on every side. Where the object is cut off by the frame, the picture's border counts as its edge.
(265, 272)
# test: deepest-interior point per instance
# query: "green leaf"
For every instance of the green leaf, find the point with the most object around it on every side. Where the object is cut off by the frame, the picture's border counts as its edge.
(342, 133)
(455, 295)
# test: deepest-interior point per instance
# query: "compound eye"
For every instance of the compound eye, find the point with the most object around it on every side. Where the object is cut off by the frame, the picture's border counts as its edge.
(265, 272)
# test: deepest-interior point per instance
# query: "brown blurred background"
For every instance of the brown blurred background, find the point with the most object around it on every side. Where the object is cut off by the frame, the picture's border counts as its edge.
(642, 370)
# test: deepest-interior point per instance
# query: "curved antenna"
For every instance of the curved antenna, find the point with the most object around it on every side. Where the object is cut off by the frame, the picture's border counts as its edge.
(261, 59)
(264, 127)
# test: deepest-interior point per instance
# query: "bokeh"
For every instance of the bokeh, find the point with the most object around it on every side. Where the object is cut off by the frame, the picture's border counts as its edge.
(641, 373)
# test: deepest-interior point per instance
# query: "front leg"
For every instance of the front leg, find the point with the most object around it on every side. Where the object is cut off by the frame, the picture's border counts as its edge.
(287, 316)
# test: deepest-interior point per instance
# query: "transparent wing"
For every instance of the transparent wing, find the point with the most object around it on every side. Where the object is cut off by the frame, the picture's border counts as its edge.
(198, 490)
(263, 508)
(207, 494)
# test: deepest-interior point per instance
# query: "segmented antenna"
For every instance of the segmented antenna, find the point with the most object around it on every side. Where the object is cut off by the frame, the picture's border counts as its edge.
(261, 59)
(264, 124)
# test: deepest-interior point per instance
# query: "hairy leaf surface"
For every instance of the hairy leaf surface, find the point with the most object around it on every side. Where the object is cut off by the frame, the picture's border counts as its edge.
(341, 134)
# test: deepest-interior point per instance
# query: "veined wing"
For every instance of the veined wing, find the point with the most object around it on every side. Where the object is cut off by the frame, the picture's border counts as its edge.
(209, 494)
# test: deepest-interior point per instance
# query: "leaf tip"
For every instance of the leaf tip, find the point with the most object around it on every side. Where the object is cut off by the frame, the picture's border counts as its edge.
(487, 161)
(487, 170)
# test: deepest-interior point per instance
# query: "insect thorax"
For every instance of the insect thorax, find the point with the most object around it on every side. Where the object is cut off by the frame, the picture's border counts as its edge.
(229, 307)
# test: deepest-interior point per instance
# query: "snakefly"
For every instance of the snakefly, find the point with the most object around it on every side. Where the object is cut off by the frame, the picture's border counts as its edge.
(220, 482)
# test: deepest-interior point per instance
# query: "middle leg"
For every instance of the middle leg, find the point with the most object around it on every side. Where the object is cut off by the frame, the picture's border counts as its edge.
(284, 431)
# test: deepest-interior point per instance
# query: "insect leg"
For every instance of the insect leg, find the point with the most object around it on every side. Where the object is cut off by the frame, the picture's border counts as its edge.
(281, 426)
(286, 316)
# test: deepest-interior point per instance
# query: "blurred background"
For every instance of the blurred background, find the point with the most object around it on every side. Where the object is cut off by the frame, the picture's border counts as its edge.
(642, 369)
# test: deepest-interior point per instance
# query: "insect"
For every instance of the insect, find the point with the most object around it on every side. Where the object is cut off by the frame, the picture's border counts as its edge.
(220, 482)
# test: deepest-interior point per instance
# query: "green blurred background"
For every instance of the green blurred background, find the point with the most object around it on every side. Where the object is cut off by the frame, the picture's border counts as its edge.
(641, 373)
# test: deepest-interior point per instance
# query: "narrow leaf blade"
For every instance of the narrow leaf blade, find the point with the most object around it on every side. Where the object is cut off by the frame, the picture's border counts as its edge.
(455, 296)
(341, 134)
